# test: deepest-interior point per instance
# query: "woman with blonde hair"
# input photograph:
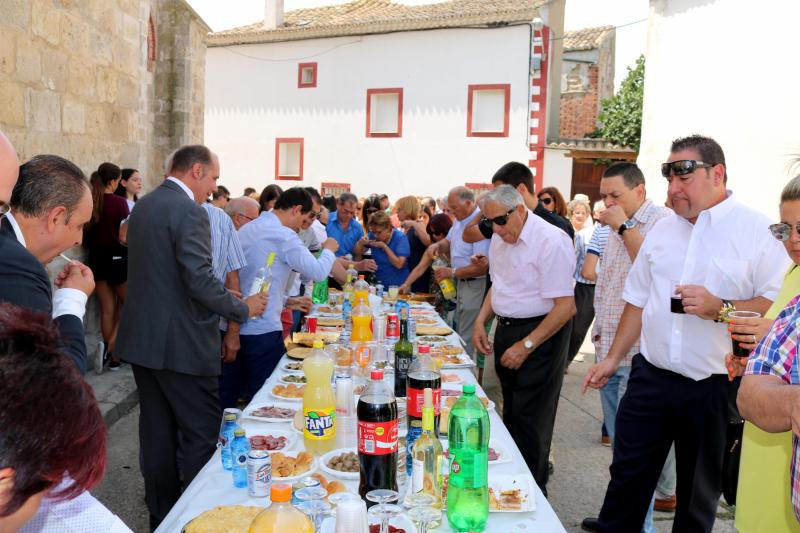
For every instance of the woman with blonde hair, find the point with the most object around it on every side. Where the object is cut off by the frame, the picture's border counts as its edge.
(579, 214)
(409, 209)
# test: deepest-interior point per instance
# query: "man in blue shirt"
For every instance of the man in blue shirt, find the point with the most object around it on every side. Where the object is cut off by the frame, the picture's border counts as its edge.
(262, 337)
(342, 224)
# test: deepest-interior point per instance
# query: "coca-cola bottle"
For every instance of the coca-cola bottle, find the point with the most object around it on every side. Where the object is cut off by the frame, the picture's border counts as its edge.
(377, 436)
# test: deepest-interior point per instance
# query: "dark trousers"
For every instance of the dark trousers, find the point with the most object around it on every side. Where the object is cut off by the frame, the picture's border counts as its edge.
(179, 415)
(530, 393)
(584, 302)
(255, 362)
(658, 408)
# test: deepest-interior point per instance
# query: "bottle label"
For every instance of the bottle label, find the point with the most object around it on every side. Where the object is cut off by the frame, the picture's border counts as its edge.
(377, 438)
(320, 424)
(469, 470)
(241, 459)
(416, 400)
(417, 476)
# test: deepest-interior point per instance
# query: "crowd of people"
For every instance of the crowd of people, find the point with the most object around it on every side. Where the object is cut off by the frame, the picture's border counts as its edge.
(654, 287)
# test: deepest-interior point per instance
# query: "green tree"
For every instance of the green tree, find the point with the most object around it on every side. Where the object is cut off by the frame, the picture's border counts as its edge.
(621, 116)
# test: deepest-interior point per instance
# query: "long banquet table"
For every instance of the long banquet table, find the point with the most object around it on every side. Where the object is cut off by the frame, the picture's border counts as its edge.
(214, 486)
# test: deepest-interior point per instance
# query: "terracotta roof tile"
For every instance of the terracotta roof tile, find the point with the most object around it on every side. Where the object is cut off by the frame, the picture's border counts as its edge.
(586, 38)
(361, 17)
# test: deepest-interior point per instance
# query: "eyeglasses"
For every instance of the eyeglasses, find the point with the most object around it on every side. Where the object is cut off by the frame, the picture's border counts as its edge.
(782, 231)
(314, 214)
(245, 216)
(502, 220)
(546, 201)
(682, 168)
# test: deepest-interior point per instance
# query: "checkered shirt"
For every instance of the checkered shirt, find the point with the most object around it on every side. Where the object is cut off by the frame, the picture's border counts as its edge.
(614, 268)
(776, 355)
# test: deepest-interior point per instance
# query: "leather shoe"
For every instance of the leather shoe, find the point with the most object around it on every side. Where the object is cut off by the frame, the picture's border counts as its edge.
(605, 440)
(666, 505)
(590, 524)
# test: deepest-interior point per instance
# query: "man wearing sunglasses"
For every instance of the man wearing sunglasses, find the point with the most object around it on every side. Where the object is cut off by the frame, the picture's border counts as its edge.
(720, 255)
(531, 266)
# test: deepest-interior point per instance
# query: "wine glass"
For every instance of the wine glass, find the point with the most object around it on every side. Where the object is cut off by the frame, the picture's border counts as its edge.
(424, 516)
(384, 511)
(312, 504)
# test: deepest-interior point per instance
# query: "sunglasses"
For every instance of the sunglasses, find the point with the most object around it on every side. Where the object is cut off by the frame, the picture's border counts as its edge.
(682, 167)
(782, 231)
(502, 220)
(546, 201)
(314, 214)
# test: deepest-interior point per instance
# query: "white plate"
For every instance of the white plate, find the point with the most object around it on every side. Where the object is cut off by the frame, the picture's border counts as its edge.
(253, 428)
(402, 522)
(299, 476)
(464, 362)
(432, 340)
(507, 482)
(289, 370)
(489, 406)
(283, 398)
(336, 473)
(504, 456)
(248, 413)
(283, 377)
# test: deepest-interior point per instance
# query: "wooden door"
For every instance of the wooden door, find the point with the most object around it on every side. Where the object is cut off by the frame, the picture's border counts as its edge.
(586, 178)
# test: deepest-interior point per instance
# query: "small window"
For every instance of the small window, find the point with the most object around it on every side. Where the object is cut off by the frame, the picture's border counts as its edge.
(487, 110)
(333, 189)
(306, 75)
(289, 159)
(479, 188)
(384, 112)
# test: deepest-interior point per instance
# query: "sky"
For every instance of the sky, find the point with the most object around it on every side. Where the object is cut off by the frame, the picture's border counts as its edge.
(631, 39)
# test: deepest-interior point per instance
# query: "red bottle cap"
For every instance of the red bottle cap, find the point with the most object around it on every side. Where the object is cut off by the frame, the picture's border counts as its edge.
(424, 348)
(376, 374)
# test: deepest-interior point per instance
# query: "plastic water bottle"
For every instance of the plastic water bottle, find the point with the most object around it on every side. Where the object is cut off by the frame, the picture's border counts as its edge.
(240, 447)
(225, 439)
(467, 491)
(347, 315)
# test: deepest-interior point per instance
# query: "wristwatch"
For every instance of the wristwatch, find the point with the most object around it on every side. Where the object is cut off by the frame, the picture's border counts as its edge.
(528, 344)
(727, 307)
(628, 224)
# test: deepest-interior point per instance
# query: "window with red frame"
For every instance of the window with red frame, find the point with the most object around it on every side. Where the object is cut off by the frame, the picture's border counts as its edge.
(487, 110)
(385, 112)
(334, 189)
(479, 188)
(289, 158)
(306, 75)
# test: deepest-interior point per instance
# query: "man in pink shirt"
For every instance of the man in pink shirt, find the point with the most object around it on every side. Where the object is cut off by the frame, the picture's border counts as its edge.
(531, 264)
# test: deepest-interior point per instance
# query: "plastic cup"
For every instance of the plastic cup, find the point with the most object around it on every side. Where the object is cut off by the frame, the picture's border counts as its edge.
(738, 350)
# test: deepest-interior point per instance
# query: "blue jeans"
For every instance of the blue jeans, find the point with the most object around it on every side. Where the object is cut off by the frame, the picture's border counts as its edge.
(255, 362)
(610, 395)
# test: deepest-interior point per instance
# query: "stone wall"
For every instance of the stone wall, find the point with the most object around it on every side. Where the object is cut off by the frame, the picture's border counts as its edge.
(74, 80)
(580, 106)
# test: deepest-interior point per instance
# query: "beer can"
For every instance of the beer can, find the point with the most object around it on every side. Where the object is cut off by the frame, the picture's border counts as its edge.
(311, 324)
(392, 326)
(259, 473)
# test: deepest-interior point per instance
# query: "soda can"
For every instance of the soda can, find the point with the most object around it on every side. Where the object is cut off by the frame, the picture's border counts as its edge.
(259, 473)
(302, 484)
(392, 326)
(311, 324)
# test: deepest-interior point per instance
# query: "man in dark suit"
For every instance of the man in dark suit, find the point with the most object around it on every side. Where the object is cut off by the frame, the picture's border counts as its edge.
(169, 328)
(49, 206)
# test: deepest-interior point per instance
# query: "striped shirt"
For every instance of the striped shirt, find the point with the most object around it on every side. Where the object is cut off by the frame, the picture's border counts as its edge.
(599, 240)
(226, 251)
(616, 263)
(776, 355)
(582, 239)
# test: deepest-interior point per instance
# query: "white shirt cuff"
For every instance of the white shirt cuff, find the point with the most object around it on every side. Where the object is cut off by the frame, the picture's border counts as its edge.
(69, 302)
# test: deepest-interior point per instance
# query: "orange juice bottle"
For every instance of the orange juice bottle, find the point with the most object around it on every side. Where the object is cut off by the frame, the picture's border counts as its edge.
(362, 322)
(361, 290)
(319, 403)
(280, 516)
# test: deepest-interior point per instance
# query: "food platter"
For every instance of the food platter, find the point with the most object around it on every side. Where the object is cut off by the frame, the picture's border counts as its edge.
(250, 413)
(325, 459)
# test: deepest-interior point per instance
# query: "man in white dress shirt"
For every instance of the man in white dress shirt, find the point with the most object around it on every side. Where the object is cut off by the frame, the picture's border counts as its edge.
(531, 264)
(720, 254)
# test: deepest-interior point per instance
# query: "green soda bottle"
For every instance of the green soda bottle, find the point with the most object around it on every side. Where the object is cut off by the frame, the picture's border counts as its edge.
(467, 489)
(319, 294)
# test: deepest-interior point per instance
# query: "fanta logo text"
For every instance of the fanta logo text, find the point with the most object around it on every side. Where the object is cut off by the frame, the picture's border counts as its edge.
(318, 423)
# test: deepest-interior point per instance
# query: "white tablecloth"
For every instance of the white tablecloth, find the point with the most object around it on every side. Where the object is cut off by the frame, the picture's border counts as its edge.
(214, 486)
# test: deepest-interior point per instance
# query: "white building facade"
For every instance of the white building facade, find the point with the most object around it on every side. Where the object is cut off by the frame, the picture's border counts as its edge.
(399, 112)
(724, 69)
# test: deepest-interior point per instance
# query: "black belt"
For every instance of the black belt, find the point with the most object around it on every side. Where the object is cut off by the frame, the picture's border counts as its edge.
(508, 321)
(469, 279)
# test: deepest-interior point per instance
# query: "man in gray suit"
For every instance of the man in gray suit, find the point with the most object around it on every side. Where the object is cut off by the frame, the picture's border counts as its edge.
(168, 332)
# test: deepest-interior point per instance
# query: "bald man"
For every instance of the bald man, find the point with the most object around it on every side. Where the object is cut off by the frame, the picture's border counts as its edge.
(9, 169)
